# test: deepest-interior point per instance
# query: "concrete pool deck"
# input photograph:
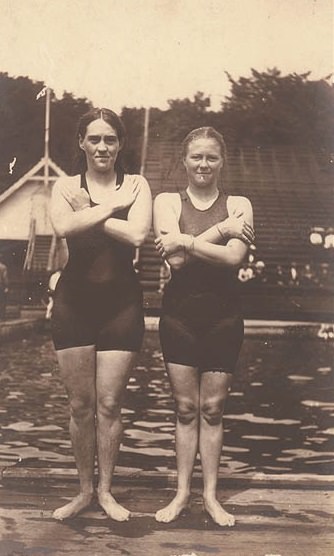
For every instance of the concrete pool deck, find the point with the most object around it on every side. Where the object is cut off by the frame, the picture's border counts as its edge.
(270, 521)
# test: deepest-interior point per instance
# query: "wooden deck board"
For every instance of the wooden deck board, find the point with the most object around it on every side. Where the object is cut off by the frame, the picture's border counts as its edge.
(270, 521)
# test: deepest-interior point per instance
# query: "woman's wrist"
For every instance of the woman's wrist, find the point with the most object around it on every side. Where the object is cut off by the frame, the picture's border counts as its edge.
(188, 243)
(113, 207)
(223, 230)
(83, 207)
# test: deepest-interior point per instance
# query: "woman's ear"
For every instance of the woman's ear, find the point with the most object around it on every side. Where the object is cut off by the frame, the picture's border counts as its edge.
(81, 143)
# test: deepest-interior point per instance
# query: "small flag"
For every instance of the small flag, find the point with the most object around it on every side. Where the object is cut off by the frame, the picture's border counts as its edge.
(41, 93)
(12, 164)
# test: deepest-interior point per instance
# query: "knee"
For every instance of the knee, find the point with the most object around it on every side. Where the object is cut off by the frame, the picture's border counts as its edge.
(186, 411)
(82, 409)
(108, 407)
(212, 410)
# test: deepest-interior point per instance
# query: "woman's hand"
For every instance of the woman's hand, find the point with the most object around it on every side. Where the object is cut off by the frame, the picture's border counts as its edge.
(169, 243)
(235, 226)
(126, 195)
(78, 198)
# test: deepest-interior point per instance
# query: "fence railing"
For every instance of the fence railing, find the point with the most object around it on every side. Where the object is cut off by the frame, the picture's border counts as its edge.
(31, 246)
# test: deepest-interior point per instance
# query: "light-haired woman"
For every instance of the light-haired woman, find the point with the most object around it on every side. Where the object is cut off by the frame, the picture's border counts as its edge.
(204, 235)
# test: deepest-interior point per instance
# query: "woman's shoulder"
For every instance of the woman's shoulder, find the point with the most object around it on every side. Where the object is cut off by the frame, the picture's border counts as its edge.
(68, 180)
(129, 180)
(168, 200)
(139, 177)
(238, 201)
(168, 197)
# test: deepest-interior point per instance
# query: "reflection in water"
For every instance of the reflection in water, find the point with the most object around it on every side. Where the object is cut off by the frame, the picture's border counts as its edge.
(279, 417)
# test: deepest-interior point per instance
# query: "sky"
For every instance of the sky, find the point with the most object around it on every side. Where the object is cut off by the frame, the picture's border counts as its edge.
(143, 52)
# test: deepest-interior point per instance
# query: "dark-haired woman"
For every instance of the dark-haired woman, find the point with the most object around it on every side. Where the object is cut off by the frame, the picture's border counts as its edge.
(204, 235)
(97, 319)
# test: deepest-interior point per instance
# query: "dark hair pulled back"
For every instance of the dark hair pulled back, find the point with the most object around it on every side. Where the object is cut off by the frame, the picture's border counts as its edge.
(111, 118)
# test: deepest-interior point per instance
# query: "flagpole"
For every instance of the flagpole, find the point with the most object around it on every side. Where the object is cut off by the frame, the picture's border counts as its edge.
(142, 166)
(145, 141)
(46, 137)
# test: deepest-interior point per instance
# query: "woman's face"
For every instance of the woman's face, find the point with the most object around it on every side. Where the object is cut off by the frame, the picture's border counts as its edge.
(101, 146)
(203, 162)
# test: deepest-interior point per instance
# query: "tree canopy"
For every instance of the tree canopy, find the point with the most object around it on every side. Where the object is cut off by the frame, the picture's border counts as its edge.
(270, 109)
(22, 116)
(263, 109)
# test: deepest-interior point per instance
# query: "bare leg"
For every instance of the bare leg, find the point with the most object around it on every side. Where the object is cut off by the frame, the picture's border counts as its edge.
(185, 387)
(214, 391)
(77, 368)
(113, 369)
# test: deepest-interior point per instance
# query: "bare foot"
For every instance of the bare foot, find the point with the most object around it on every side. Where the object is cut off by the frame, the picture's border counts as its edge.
(173, 510)
(112, 508)
(218, 514)
(76, 505)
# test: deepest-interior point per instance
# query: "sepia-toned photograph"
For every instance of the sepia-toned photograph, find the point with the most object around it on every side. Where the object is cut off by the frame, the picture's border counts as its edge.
(166, 278)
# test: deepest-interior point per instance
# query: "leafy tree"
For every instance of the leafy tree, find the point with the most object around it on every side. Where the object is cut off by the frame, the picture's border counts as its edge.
(133, 119)
(64, 116)
(21, 130)
(265, 109)
(270, 109)
(22, 127)
(182, 116)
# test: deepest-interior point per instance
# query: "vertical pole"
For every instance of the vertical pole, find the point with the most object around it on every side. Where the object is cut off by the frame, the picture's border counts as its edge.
(145, 141)
(142, 165)
(46, 138)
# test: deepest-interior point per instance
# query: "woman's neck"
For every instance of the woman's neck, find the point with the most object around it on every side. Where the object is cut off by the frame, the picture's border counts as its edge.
(204, 194)
(101, 178)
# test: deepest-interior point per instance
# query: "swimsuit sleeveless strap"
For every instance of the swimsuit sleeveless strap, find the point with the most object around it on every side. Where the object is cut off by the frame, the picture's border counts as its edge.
(119, 179)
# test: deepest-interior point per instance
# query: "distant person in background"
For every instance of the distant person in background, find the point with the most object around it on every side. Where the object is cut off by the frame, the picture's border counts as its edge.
(204, 234)
(260, 275)
(324, 276)
(280, 278)
(51, 290)
(308, 278)
(245, 273)
(97, 316)
(329, 239)
(293, 276)
(4, 283)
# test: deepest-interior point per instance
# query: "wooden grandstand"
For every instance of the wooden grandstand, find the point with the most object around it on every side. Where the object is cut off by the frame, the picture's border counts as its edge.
(290, 189)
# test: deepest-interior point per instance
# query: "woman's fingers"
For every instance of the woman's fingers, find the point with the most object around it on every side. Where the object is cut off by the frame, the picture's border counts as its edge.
(135, 189)
(158, 244)
(237, 212)
(248, 232)
(160, 247)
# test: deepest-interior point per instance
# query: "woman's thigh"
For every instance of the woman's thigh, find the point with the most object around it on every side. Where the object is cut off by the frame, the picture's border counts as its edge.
(184, 381)
(215, 387)
(113, 369)
(78, 371)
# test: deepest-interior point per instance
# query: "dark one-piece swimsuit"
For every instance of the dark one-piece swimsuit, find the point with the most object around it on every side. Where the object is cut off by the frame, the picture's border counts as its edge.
(98, 298)
(201, 324)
